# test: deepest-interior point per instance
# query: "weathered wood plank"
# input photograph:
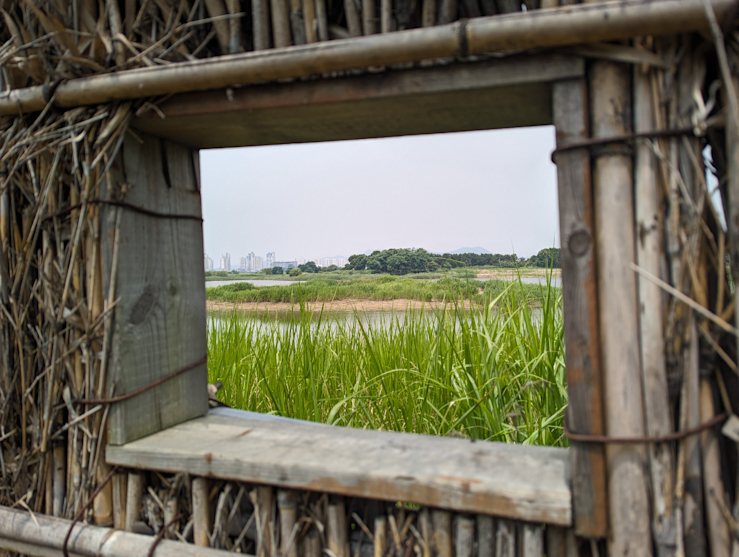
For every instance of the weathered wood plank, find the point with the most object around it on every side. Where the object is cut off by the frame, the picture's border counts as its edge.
(580, 306)
(159, 319)
(513, 481)
(484, 95)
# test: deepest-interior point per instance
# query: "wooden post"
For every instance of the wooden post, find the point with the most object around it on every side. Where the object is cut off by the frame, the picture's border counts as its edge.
(505, 538)
(337, 528)
(120, 484)
(309, 15)
(386, 15)
(531, 540)
(322, 18)
(485, 536)
(560, 542)
(280, 23)
(369, 23)
(580, 307)
(159, 318)
(353, 21)
(447, 11)
(201, 511)
(654, 371)
(610, 107)
(380, 536)
(260, 23)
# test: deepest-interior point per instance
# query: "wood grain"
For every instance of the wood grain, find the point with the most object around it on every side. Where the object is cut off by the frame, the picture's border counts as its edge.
(514, 481)
(159, 319)
(580, 306)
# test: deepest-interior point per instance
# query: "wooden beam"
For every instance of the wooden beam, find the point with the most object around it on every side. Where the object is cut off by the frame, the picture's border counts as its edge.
(484, 95)
(159, 318)
(514, 481)
(580, 306)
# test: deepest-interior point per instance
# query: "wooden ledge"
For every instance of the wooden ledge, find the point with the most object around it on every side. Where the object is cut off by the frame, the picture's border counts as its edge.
(514, 481)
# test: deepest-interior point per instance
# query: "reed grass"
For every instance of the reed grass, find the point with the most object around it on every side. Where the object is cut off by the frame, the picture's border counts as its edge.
(376, 288)
(493, 371)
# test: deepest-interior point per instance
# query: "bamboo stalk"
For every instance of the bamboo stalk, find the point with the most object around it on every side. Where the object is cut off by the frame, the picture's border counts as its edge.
(60, 479)
(217, 9)
(265, 525)
(716, 497)
(297, 23)
(311, 26)
(280, 23)
(260, 23)
(287, 503)
(369, 21)
(353, 19)
(613, 178)
(447, 11)
(336, 530)
(441, 522)
(649, 257)
(485, 536)
(234, 27)
(380, 536)
(134, 497)
(386, 16)
(312, 543)
(322, 18)
(201, 511)
(428, 13)
(424, 522)
(120, 496)
(586, 23)
(464, 536)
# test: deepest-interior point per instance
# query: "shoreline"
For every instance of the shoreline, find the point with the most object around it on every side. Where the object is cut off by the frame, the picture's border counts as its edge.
(338, 306)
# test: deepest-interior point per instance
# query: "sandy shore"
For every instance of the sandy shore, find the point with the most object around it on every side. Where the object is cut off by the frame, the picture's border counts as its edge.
(339, 306)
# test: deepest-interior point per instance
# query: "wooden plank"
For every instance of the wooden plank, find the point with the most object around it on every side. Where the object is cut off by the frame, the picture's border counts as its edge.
(159, 319)
(514, 481)
(484, 95)
(531, 538)
(580, 307)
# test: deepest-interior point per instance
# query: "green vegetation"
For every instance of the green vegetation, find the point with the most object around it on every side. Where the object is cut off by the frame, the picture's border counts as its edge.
(485, 373)
(406, 261)
(372, 288)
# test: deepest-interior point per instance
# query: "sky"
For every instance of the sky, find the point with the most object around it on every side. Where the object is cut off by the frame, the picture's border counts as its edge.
(494, 189)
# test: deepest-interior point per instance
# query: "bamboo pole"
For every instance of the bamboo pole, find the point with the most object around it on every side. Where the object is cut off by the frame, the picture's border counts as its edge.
(424, 522)
(287, 503)
(201, 512)
(59, 457)
(120, 485)
(280, 23)
(485, 536)
(380, 536)
(428, 13)
(713, 486)
(234, 27)
(39, 534)
(353, 20)
(216, 8)
(441, 522)
(386, 16)
(336, 530)
(654, 372)
(297, 22)
(628, 500)
(369, 21)
(260, 23)
(312, 543)
(577, 24)
(311, 24)
(134, 497)
(265, 500)
(464, 536)
(322, 18)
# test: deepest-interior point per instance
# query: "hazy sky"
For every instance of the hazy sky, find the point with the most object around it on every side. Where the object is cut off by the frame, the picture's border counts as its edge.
(494, 189)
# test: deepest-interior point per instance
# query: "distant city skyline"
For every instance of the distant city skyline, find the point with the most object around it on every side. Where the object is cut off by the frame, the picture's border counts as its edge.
(495, 189)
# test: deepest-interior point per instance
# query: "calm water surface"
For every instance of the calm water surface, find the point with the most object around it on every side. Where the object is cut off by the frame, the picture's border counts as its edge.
(556, 281)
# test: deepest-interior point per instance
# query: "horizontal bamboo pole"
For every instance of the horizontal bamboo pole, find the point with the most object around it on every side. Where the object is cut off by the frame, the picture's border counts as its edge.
(43, 535)
(536, 29)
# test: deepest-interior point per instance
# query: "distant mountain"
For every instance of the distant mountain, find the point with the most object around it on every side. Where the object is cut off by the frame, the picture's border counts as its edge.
(478, 250)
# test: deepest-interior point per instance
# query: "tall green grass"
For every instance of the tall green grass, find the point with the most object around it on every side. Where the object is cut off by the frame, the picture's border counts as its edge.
(493, 372)
(372, 288)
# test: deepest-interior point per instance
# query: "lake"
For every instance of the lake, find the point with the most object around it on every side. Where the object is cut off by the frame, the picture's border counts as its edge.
(556, 281)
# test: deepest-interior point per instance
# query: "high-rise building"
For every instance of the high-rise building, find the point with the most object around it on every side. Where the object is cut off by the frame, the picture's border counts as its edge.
(270, 262)
(243, 264)
(208, 263)
(226, 262)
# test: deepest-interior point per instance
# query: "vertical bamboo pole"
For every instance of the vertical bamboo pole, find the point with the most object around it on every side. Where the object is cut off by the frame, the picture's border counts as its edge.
(322, 18)
(424, 521)
(265, 504)
(485, 536)
(531, 540)
(120, 482)
(280, 23)
(654, 371)
(386, 16)
(428, 13)
(201, 511)
(312, 544)
(309, 15)
(216, 8)
(447, 11)
(287, 503)
(353, 21)
(297, 23)
(441, 522)
(369, 21)
(103, 504)
(234, 26)
(337, 528)
(260, 23)
(505, 538)
(134, 497)
(713, 486)
(610, 102)
(380, 536)
(464, 536)
(561, 542)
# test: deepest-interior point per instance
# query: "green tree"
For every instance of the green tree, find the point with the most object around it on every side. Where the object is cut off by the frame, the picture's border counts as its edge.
(277, 270)
(357, 262)
(295, 272)
(309, 267)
